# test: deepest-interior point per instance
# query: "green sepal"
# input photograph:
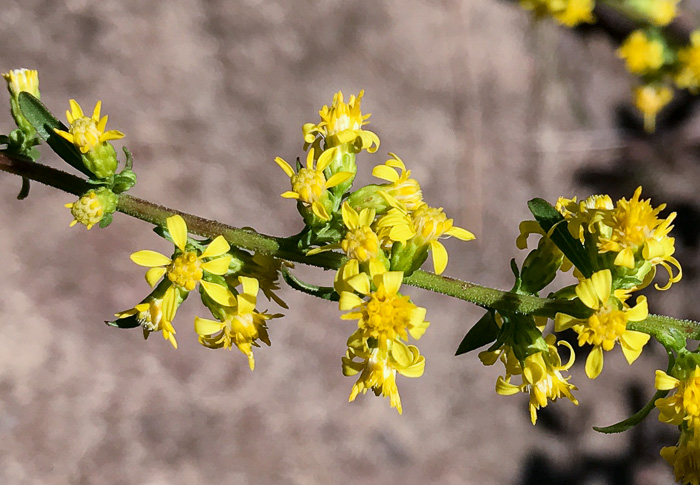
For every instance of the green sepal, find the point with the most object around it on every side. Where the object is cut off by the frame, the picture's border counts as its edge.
(554, 224)
(123, 181)
(323, 292)
(369, 196)
(408, 257)
(633, 420)
(128, 322)
(106, 220)
(45, 123)
(483, 332)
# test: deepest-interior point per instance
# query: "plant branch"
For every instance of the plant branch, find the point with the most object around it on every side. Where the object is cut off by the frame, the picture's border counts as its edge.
(282, 248)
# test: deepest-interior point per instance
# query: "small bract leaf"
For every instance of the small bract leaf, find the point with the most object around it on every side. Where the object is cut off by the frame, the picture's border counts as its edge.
(633, 420)
(483, 332)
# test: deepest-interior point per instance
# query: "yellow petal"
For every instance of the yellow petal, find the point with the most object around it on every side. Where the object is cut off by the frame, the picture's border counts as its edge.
(64, 134)
(401, 353)
(178, 231)
(285, 166)
(460, 233)
(218, 293)
(76, 110)
(439, 256)
(102, 124)
(251, 286)
(338, 178)
(348, 301)
(665, 382)
(150, 258)
(326, 158)
(350, 217)
(96, 111)
(640, 311)
(217, 247)
(218, 266)
(320, 211)
(594, 362)
(111, 135)
(366, 217)
(505, 388)
(625, 258)
(632, 344)
(392, 281)
(562, 321)
(154, 275)
(602, 282)
(385, 173)
(360, 283)
(203, 326)
(169, 304)
(290, 195)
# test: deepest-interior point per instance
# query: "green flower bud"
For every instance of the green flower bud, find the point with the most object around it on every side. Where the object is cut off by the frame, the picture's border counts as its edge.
(94, 207)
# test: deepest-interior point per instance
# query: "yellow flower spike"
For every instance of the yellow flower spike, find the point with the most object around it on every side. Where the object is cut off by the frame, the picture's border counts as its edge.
(641, 54)
(608, 325)
(241, 325)
(187, 268)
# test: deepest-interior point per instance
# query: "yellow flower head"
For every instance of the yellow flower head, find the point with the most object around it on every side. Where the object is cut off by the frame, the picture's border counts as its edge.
(309, 185)
(150, 316)
(541, 377)
(649, 100)
(635, 225)
(187, 268)
(19, 80)
(574, 12)
(688, 75)
(684, 405)
(641, 54)
(608, 325)
(86, 133)
(342, 123)
(386, 314)
(684, 458)
(661, 12)
(242, 325)
(378, 367)
(87, 210)
(402, 191)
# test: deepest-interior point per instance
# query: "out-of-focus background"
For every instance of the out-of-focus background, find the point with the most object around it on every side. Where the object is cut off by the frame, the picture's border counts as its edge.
(488, 109)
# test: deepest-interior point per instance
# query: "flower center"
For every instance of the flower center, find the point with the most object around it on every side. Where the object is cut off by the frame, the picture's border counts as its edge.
(88, 210)
(430, 223)
(185, 270)
(361, 243)
(386, 317)
(606, 326)
(85, 133)
(309, 184)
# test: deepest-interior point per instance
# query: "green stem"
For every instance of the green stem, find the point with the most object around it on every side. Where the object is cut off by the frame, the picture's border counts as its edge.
(283, 248)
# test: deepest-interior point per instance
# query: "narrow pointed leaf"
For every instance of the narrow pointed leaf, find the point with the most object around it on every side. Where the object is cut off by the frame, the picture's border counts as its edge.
(483, 332)
(633, 420)
(324, 292)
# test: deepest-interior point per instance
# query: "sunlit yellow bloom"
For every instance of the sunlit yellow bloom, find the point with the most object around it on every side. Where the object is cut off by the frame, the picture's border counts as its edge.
(684, 404)
(150, 316)
(541, 377)
(575, 12)
(608, 325)
(186, 268)
(684, 458)
(342, 123)
(309, 185)
(87, 210)
(661, 12)
(586, 215)
(649, 100)
(635, 225)
(402, 190)
(385, 314)
(241, 326)
(378, 366)
(266, 269)
(641, 54)
(688, 75)
(19, 80)
(86, 133)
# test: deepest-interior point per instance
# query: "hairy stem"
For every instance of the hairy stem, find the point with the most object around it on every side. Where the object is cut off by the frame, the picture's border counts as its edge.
(251, 240)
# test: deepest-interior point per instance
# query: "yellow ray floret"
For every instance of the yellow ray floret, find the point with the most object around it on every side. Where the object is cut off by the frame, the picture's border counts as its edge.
(86, 133)
(151, 317)
(187, 268)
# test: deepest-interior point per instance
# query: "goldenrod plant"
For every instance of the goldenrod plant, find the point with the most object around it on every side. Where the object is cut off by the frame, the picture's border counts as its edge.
(377, 238)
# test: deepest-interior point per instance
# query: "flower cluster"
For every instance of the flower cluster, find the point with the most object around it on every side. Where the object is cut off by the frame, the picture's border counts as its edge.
(615, 249)
(216, 269)
(656, 57)
(385, 230)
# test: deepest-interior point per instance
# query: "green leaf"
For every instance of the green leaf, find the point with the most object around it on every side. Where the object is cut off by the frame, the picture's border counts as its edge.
(323, 292)
(633, 420)
(554, 224)
(128, 322)
(483, 332)
(45, 123)
(106, 220)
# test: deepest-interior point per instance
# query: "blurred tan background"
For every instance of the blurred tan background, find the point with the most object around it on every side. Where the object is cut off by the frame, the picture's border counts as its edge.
(487, 108)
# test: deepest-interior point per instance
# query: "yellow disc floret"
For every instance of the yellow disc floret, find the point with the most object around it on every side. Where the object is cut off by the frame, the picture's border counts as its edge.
(185, 270)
